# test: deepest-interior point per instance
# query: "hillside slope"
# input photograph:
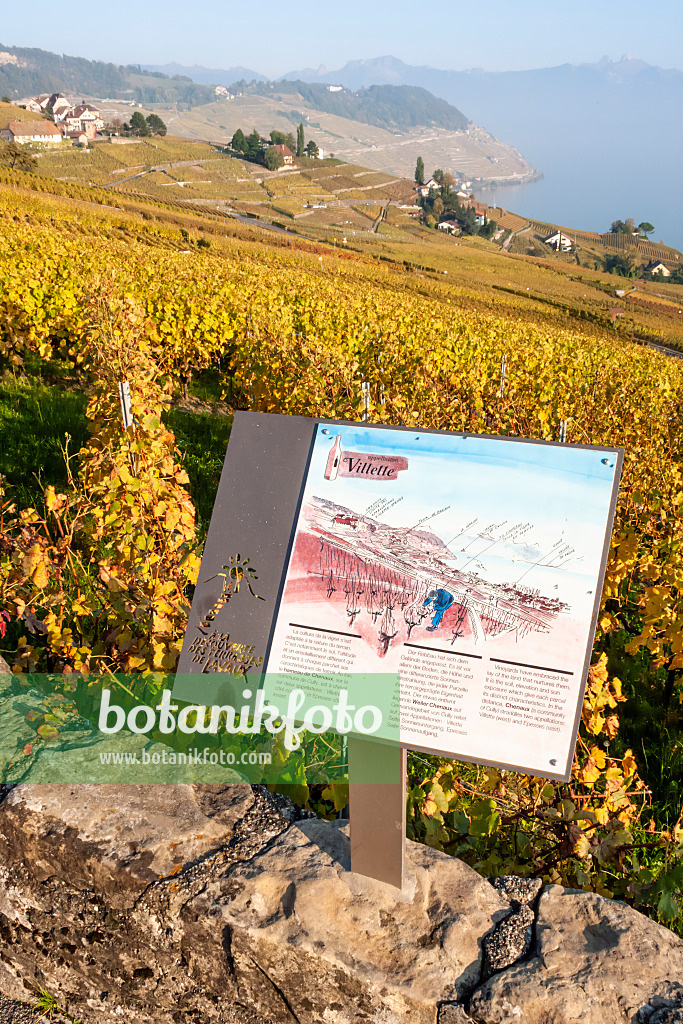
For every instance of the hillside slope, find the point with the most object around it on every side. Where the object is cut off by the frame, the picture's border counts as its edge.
(27, 72)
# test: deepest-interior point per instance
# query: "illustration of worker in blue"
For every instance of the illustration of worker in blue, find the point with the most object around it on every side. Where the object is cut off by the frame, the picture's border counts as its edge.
(440, 601)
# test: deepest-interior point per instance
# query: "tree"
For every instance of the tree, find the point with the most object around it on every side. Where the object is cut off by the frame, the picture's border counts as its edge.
(6, 99)
(277, 138)
(468, 221)
(138, 125)
(290, 141)
(623, 227)
(311, 148)
(646, 228)
(116, 125)
(420, 171)
(448, 181)
(15, 156)
(300, 141)
(156, 125)
(620, 264)
(239, 141)
(438, 175)
(253, 150)
(273, 158)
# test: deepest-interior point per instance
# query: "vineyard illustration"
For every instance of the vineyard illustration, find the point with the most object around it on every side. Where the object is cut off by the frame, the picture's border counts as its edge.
(395, 584)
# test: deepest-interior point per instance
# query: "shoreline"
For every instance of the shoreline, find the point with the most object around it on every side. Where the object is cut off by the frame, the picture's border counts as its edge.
(489, 184)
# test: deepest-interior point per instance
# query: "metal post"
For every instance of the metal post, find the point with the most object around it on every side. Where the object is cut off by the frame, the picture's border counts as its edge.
(502, 376)
(563, 431)
(365, 386)
(377, 810)
(126, 407)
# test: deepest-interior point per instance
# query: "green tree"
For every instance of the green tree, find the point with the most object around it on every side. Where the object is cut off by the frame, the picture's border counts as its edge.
(468, 221)
(253, 150)
(239, 141)
(646, 228)
(277, 138)
(300, 141)
(273, 159)
(15, 156)
(156, 125)
(420, 171)
(138, 125)
(311, 148)
(620, 264)
(438, 175)
(290, 141)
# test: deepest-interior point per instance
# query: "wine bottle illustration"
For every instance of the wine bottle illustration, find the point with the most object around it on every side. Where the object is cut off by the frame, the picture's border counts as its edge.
(333, 460)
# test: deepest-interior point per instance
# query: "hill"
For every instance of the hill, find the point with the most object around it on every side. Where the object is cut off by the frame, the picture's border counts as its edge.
(26, 72)
(386, 126)
(604, 134)
(208, 76)
(99, 285)
(386, 106)
(386, 131)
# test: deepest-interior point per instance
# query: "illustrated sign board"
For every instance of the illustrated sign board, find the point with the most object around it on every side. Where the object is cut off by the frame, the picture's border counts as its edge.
(468, 567)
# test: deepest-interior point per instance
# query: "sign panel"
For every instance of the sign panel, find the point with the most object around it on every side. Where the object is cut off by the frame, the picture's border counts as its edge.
(468, 567)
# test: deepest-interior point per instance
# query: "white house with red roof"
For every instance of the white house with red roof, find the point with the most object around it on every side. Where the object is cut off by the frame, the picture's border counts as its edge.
(32, 133)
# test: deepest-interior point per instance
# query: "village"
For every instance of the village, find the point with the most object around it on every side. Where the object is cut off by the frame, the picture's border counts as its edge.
(74, 123)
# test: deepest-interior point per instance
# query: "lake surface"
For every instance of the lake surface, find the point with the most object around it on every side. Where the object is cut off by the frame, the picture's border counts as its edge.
(599, 171)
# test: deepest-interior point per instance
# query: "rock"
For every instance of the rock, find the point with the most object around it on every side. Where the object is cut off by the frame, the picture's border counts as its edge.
(75, 755)
(517, 889)
(509, 942)
(663, 1011)
(512, 938)
(221, 904)
(225, 904)
(116, 840)
(453, 1013)
(595, 960)
(341, 947)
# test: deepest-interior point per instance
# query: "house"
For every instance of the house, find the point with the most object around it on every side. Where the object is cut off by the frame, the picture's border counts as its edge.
(461, 195)
(451, 226)
(60, 106)
(286, 154)
(85, 118)
(427, 186)
(32, 133)
(658, 268)
(559, 241)
(76, 136)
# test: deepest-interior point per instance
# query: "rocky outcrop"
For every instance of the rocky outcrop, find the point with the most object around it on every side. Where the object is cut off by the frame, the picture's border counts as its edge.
(226, 904)
(594, 959)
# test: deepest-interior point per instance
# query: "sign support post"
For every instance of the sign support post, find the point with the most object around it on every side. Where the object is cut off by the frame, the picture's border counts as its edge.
(378, 810)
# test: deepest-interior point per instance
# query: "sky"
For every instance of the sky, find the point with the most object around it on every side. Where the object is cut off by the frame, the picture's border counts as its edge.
(275, 38)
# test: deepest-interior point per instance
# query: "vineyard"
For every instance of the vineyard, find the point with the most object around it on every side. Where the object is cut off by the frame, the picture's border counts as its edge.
(97, 563)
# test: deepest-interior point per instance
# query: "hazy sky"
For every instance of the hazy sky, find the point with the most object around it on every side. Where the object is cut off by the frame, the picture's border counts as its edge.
(274, 37)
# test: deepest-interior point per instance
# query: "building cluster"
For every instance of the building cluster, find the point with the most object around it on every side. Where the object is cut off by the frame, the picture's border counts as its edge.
(76, 123)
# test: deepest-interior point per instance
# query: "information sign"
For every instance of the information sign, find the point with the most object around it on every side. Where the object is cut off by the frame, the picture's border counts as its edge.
(469, 567)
